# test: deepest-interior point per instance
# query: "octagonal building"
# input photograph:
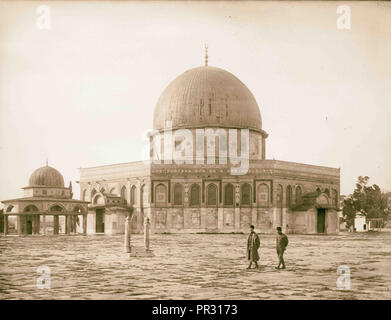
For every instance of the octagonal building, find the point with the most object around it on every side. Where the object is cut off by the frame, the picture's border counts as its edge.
(208, 171)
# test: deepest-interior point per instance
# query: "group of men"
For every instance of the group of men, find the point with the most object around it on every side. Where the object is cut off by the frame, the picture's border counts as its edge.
(253, 245)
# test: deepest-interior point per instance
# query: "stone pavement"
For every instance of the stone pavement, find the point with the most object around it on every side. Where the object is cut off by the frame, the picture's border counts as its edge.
(195, 266)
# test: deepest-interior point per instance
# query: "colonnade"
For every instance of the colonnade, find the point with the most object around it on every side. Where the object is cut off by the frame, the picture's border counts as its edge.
(31, 223)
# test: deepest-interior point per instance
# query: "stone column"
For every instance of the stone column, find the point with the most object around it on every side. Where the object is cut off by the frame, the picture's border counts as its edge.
(127, 235)
(147, 227)
(24, 224)
(55, 224)
(44, 224)
(84, 224)
(19, 219)
(67, 224)
(75, 223)
(34, 224)
(5, 224)
(38, 223)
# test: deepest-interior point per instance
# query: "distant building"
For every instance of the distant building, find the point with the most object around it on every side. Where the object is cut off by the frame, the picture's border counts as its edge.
(47, 207)
(364, 224)
(360, 223)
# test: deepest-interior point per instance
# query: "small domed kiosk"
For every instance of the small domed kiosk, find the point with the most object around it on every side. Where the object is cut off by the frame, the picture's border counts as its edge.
(46, 208)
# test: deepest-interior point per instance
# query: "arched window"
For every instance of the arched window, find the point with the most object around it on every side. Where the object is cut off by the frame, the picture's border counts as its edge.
(161, 194)
(133, 195)
(327, 191)
(288, 196)
(123, 193)
(263, 195)
(31, 208)
(99, 200)
(195, 195)
(229, 194)
(178, 194)
(298, 195)
(212, 195)
(56, 209)
(78, 209)
(246, 194)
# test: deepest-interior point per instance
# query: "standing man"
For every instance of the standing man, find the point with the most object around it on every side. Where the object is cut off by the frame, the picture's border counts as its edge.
(281, 244)
(252, 247)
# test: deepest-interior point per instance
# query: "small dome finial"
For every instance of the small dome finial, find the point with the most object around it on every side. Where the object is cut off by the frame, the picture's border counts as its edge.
(206, 54)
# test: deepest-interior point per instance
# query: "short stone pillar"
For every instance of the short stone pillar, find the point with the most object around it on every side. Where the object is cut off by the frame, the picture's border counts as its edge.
(127, 247)
(140, 251)
(147, 231)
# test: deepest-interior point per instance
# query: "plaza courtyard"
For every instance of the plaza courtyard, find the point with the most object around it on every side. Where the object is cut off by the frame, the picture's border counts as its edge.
(195, 266)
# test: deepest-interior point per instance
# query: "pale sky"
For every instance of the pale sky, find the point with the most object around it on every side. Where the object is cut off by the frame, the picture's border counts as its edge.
(83, 92)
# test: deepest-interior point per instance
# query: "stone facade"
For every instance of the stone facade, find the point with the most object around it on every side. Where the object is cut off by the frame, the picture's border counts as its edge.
(184, 198)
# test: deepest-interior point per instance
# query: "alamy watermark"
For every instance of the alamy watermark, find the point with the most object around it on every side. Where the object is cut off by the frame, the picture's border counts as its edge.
(343, 20)
(43, 280)
(343, 280)
(44, 19)
(198, 147)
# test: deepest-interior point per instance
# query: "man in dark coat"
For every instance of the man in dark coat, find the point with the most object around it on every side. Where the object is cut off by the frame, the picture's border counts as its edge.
(281, 244)
(252, 248)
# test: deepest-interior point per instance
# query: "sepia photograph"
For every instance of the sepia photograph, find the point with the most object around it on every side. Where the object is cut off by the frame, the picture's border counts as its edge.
(195, 151)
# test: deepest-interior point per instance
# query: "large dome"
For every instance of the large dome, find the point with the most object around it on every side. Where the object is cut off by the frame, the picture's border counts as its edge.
(46, 176)
(207, 97)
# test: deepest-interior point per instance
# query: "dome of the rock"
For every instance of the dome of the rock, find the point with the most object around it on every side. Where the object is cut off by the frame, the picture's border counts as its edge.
(207, 97)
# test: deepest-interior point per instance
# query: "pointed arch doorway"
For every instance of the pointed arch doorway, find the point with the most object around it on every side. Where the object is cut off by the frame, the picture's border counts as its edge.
(321, 220)
(100, 220)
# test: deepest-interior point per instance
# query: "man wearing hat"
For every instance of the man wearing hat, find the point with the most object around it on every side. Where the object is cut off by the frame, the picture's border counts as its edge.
(252, 248)
(281, 244)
